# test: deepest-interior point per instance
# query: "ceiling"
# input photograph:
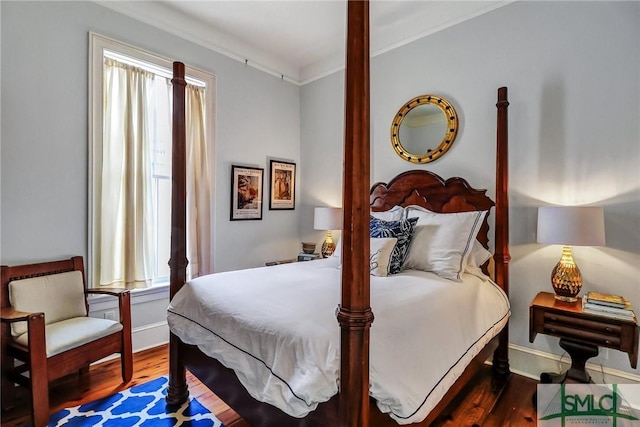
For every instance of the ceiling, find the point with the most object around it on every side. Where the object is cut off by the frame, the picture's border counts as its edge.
(297, 40)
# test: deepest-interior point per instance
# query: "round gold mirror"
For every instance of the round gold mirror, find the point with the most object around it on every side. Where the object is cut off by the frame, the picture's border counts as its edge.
(424, 129)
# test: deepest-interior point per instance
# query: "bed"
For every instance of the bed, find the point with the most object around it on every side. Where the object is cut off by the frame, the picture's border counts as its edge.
(284, 345)
(343, 288)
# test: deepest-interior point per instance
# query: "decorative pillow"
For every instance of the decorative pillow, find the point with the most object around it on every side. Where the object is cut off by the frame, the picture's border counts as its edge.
(380, 255)
(478, 256)
(396, 213)
(402, 230)
(442, 242)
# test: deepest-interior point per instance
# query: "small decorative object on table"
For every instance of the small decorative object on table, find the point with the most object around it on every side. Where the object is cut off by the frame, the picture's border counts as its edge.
(308, 247)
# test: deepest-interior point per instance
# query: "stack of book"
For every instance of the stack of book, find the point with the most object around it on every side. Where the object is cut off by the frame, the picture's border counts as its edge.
(308, 257)
(607, 305)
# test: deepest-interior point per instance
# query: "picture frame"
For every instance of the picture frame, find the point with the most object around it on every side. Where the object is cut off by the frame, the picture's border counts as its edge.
(246, 193)
(282, 185)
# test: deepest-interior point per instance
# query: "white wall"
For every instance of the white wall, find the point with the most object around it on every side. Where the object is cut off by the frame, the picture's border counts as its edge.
(44, 133)
(573, 73)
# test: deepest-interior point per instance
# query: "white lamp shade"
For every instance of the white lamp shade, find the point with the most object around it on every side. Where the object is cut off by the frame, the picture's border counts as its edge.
(327, 219)
(571, 225)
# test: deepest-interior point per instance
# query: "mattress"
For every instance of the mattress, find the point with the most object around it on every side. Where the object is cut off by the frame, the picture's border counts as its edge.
(276, 328)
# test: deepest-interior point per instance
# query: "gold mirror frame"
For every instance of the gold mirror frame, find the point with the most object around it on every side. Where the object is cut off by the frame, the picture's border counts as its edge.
(447, 140)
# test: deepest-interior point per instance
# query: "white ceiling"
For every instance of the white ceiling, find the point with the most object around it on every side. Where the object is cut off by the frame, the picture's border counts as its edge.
(297, 40)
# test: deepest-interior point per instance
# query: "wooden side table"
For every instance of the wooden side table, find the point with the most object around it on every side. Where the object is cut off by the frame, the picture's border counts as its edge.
(580, 334)
(282, 261)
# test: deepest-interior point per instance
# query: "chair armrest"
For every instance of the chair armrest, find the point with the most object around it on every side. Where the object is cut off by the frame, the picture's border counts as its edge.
(10, 315)
(116, 292)
(36, 346)
(124, 303)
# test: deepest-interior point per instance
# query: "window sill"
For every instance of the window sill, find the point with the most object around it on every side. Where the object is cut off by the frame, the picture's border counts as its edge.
(138, 296)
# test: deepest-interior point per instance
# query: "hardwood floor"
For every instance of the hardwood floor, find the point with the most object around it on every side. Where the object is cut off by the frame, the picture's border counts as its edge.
(473, 408)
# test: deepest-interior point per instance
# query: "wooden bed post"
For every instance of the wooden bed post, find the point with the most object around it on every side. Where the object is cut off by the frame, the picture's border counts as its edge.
(354, 313)
(502, 257)
(178, 392)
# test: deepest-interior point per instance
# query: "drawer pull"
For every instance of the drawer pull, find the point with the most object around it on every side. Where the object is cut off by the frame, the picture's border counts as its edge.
(608, 329)
(607, 342)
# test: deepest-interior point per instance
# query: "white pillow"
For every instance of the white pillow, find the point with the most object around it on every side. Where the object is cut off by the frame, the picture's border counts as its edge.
(380, 255)
(479, 255)
(396, 213)
(442, 242)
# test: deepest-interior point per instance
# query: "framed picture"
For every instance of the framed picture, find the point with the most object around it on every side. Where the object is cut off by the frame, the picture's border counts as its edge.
(282, 185)
(246, 193)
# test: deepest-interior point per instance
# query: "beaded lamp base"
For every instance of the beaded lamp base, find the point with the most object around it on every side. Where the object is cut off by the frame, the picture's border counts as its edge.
(565, 277)
(328, 246)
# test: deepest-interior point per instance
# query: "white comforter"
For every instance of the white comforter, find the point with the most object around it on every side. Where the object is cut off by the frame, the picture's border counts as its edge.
(276, 328)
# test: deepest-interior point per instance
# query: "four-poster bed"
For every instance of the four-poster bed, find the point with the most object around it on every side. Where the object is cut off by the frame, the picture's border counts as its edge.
(352, 406)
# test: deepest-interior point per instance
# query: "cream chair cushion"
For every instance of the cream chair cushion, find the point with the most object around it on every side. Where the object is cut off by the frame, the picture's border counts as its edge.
(71, 333)
(59, 296)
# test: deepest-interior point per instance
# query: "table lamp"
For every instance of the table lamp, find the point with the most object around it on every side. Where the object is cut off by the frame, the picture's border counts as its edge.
(569, 226)
(327, 219)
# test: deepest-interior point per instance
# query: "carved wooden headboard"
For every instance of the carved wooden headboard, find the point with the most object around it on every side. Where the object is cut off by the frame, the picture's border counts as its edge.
(426, 189)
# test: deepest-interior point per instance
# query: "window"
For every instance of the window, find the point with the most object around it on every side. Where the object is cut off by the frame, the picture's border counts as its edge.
(130, 166)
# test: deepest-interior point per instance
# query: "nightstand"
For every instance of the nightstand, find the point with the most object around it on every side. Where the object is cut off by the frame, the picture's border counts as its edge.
(580, 334)
(301, 257)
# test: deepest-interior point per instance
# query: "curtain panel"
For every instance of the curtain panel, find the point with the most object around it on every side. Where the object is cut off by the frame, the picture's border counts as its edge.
(125, 216)
(135, 151)
(198, 185)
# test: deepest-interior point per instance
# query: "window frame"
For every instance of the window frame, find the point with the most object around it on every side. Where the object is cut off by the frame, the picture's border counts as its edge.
(98, 44)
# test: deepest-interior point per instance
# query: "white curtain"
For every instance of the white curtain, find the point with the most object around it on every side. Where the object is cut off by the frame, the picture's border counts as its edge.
(124, 218)
(198, 185)
(137, 139)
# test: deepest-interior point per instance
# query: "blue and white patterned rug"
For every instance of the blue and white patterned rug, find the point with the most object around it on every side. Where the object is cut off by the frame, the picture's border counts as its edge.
(141, 405)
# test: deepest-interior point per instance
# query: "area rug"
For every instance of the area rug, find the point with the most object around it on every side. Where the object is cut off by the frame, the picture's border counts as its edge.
(141, 405)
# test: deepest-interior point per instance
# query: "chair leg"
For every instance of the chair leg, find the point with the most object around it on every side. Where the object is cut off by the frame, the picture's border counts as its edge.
(126, 362)
(8, 390)
(38, 371)
(126, 355)
(40, 407)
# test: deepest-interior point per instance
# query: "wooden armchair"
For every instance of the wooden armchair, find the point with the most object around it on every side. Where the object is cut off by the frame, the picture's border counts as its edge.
(45, 325)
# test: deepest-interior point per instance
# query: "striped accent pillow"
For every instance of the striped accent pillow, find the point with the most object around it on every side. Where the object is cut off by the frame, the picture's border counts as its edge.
(442, 242)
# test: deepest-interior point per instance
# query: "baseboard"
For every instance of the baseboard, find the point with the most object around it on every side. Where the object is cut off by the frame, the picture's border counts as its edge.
(150, 336)
(530, 363)
(147, 336)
